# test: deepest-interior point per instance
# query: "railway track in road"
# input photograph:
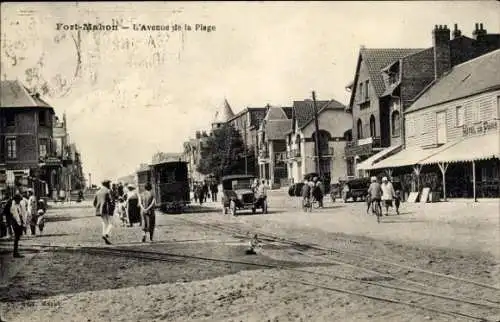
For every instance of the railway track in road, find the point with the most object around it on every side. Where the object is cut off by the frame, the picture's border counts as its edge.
(438, 302)
(427, 298)
(412, 298)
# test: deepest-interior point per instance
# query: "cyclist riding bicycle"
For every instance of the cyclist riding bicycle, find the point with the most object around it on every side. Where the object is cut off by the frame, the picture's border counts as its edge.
(375, 194)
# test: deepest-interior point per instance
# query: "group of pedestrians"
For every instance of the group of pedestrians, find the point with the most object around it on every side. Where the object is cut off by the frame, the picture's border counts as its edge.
(312, 190)
(205, 190)
(129, 206)
(382, 194)
(18, 212)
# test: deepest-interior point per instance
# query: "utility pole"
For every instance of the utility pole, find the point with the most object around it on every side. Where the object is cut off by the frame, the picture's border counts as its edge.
(245, 148)
(316, 136)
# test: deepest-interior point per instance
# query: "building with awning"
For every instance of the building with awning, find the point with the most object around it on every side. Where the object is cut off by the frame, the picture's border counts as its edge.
(469, 150)
(452, 132)
(377, 157)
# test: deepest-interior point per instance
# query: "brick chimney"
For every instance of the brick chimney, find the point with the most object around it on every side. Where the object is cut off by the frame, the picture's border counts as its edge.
(456, 32)
(441, 42)
(479, 31)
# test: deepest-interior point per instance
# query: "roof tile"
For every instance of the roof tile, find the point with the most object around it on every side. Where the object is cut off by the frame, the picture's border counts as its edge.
(277, 129)
(471, 77)
(304, 110)
(378, 58)
(13, 94)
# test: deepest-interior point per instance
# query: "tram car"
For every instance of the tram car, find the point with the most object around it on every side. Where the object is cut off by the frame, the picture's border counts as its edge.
(170, 185)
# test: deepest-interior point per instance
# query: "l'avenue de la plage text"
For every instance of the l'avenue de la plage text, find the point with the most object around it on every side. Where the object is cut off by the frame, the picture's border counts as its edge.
(135, 27)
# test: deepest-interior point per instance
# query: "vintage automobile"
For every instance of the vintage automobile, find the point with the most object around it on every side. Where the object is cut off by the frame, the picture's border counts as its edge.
(239, 195)
(358, 189)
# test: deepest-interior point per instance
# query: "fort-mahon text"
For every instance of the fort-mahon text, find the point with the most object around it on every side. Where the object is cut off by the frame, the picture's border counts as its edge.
(135, 27)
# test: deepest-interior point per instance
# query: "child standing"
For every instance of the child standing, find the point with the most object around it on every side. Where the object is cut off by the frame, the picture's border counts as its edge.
(122, 211)
(40, 220)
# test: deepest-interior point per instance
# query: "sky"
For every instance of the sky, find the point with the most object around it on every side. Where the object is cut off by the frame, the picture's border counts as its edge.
(128, 94)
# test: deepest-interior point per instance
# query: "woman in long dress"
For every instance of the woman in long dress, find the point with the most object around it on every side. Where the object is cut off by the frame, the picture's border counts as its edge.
(133, 207)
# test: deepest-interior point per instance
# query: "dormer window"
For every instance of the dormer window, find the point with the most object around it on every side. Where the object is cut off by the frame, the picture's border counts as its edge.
(393, 78)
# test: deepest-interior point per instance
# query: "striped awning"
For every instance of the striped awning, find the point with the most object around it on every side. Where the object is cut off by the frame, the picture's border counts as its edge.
(409, 157)
(474, 148)
(367, 164)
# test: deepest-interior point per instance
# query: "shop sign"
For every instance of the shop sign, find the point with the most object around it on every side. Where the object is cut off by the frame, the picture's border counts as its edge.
(480, 128)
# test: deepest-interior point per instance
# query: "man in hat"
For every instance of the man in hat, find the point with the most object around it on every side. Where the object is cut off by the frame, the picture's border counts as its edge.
(387, 194)
(374, 195)
(104, 209)
(16, 214)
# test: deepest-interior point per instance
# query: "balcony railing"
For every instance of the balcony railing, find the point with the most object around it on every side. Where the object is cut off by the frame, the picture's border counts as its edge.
(263, 154)
(362, 146)
(280, 157)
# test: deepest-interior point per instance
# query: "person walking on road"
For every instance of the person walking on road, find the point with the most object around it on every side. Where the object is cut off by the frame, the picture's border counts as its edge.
(16, 214)
(32, 211)
(306, 196)
(387, 194)
(261, 191)
(7, 218)
(102, 204)
(318, 191)
(200, 192)
(214, 190)
(25, 211)
(133, 206)
(148, 203)
(374, 195)
(205, 191)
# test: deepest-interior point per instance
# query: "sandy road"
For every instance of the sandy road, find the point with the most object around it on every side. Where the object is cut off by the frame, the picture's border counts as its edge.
(198, 271)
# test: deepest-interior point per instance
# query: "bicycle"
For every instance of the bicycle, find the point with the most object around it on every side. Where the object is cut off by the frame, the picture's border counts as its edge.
(377, 209)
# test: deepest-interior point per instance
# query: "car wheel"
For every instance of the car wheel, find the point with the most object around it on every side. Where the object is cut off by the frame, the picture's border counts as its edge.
(232, 208)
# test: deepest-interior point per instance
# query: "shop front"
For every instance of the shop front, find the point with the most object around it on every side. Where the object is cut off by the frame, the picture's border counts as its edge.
(470, 168)
(50, 172)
